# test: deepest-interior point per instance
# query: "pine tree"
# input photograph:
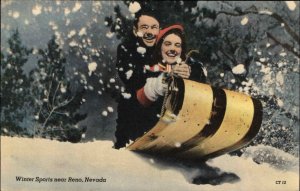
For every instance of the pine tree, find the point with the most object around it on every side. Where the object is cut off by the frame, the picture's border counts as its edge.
(14, 85)
(56, 103)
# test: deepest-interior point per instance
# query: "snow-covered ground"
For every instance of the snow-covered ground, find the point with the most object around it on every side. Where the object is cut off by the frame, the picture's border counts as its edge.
(125, 170)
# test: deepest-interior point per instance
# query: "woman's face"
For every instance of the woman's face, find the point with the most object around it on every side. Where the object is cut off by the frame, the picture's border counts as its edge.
(171, 48)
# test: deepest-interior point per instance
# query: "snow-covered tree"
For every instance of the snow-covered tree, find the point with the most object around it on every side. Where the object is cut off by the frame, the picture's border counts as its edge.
(14, 86)
(56, 102)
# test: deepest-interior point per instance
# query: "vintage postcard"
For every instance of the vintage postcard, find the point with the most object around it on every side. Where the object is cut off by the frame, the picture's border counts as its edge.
(150, 95)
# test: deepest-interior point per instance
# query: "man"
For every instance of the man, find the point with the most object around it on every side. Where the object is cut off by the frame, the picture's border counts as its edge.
(132, 55)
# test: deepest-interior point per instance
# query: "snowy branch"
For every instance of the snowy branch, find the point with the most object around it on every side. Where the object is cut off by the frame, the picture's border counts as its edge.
(277, 17)
(54, 96)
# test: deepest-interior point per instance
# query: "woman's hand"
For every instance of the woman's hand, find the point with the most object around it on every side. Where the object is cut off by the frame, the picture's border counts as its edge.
(182, 69)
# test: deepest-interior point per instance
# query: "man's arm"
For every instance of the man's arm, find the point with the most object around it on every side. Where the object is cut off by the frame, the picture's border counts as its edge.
(130, 73)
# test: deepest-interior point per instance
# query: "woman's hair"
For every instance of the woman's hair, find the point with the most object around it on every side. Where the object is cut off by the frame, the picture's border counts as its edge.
(157, 57)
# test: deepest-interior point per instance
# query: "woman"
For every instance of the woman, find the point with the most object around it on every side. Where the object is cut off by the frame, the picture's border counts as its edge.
(169, 57)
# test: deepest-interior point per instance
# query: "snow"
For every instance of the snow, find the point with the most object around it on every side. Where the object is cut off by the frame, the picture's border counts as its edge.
(16, 14)
(129, 74)
(279, 78)
(244, 21)
(282, 54)
(126, 95)
(92, 67)
(112, 80)
(71, 33)
(73, 43)
(262, 59)
(110, 109)
(104, 113)
(134, 7)
(266, 12)
(63, 88)
(239, 69)
(76, 7)
(67, 11)
(205, 72)
(126, 170)
(36, 10)
(141, 50)
(110, 34)
(291, 5)
(82, 31)
(279, 102)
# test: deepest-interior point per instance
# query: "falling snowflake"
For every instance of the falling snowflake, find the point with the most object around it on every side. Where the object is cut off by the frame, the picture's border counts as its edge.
(152, 161)
(244, 21)
(117, 27)
(129, 74)
(16, 15)
(26, 22)
(134, 7)
(90, 87)
(92, 67)
(36, 10)
(141, 50)
(110, 34)
(205, 71)
(67, 11)
(282, 54)
(85, 57)
(110, 109)
(177, 144)
(62, 88)
(73, 43)
(262, 59)
(76, 7)
(71, 33)
(239, 69)
(104, 113)
(82, 31)
(126, 95)
(112, 80)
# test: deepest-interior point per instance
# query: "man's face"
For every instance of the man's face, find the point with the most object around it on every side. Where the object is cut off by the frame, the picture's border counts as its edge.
(147, 30)
(171, 48)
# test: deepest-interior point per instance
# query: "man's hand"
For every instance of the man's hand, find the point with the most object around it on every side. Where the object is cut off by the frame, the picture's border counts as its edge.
(182, 69)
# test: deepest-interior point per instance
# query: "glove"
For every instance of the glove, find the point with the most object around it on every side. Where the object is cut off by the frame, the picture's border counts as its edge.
(155, 87)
